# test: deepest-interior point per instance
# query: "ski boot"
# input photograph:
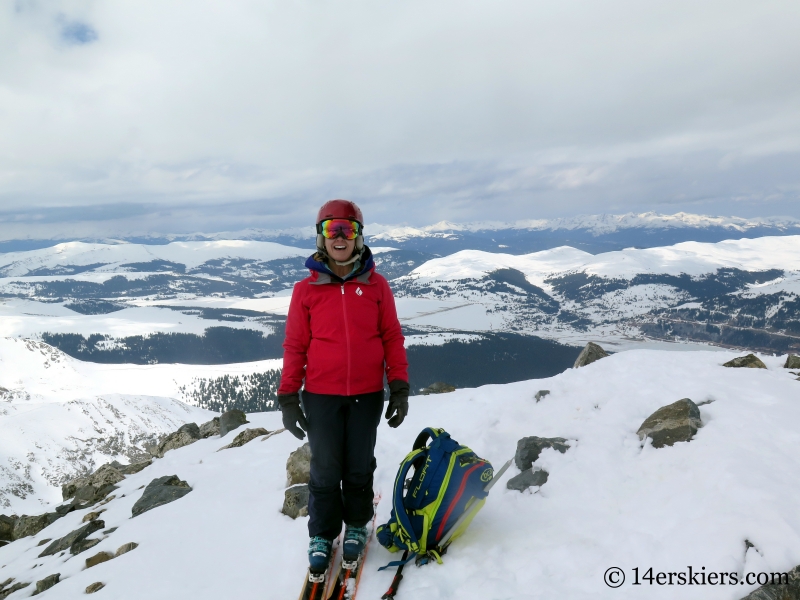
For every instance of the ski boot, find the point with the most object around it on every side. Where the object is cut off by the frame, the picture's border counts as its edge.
(319, 557)
(355, 538)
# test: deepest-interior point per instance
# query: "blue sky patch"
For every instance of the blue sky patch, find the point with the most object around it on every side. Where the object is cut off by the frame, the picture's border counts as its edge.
(77, 33)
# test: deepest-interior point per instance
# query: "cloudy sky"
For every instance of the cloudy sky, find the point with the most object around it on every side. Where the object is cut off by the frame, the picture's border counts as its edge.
(195, 115)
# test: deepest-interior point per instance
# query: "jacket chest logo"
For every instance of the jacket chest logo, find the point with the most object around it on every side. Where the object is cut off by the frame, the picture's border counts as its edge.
(358, 291)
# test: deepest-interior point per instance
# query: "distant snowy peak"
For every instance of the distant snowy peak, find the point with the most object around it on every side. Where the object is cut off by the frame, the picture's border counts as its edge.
(595, 224)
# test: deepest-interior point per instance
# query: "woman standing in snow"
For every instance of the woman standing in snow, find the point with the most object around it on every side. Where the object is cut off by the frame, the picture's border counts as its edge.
(342, 335)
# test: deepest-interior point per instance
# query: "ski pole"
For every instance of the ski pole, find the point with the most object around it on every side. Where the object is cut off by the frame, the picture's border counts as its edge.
(398, 577)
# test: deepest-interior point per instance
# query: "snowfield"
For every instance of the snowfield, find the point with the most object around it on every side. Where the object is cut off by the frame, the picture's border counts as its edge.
(610, 501)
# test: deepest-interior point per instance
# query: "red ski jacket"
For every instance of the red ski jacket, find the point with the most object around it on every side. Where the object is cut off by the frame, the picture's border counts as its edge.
(342, 336)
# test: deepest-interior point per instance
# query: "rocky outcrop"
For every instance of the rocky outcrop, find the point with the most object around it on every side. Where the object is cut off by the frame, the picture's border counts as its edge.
(183, 437)
(298, 466)
(248, 435)
(132, 468)
(74, 537)
(26, 526)
(46, 583)
(590, 353)
(98, 558)
(779, 591)
(100, 483)
(95, 587)
(676, 422)
(541, 394)
(440, 387)
(230, 420)
(209, 428)
(160, 491)
(528, 478)
(792, 362)
(92, 515)
(750, 361)
(529, 449)
(295, 502)
(83, 545)
(7, 528)
(125, 548)
(5, 591)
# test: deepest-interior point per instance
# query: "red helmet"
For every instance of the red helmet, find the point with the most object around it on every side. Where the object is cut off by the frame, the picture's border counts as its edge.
(340, 209)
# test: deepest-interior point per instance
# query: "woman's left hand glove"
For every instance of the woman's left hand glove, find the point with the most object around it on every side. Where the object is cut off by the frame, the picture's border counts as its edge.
(398, 402)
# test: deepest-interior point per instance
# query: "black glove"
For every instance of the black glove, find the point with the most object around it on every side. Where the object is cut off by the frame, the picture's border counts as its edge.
(398, 402)
(293, 415)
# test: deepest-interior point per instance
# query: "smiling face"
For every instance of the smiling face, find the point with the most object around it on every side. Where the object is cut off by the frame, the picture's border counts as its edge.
(340, 249)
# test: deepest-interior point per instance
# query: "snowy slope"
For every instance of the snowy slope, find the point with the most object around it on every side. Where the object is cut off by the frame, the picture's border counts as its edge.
(609, 501)
(60, 416)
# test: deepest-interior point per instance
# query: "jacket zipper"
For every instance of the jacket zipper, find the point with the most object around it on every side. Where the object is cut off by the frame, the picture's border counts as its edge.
(347, 338)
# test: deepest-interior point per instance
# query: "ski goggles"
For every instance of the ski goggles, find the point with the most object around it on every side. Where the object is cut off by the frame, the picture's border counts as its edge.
(333, 228)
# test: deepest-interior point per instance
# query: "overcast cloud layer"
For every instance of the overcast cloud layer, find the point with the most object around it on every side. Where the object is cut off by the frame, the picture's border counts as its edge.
(196, 115)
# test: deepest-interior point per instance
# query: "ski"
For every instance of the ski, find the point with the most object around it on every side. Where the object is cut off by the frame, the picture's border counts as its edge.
(345, 585)
(317, 586)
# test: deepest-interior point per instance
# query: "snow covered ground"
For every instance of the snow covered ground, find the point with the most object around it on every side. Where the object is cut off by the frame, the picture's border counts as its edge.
(609, 502)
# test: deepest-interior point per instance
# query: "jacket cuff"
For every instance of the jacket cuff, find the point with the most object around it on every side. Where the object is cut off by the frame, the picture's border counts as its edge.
(288, 399)
(398, 385)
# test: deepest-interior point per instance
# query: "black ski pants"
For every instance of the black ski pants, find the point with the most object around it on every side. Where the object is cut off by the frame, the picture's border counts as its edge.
(341, 432)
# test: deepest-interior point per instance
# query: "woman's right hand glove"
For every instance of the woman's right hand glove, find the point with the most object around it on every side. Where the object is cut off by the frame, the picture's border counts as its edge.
(293, 415)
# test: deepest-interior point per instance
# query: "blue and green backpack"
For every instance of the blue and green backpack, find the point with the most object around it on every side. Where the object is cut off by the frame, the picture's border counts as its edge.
(448, 480)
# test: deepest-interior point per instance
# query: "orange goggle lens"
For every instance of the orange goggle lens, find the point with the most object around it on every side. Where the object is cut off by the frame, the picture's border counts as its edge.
(333, 228)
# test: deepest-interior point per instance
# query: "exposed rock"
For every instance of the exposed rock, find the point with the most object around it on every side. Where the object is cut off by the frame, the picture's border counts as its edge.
(46, 583)
(73, 537)
(98, 558)
(132, 468)
(95, 587)
(125, 548)
(750, 361)
(248, 435)
(779, 591)
(162, 490)
(792, 362)
(173, 441)
(90, 494)
(298, 466)
(527, 478)
(529, 448)
(5, 583)
(44, 541)
(295, 502)
(17, 586)
(92, 515)
(110, 530)
(7, 528)
(191, 428)
(440, 387)
(233, 419)
(210, 428)
(74, 504)
(541, 394)
(676, 422)
(83, 545)
(105, 476)
(590, 353)
(26, 526)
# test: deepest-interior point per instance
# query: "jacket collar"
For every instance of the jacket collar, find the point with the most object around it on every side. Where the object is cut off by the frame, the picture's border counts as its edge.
(320, 273)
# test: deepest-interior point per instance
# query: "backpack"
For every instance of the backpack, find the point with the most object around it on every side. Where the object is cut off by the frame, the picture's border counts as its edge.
(448, 480)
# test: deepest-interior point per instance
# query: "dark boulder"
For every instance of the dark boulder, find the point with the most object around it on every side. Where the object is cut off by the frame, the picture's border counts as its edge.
(590, 353)
(529, 448)
(676, 422)
(526, 479)
(248, 435)
(98, 558)
(6, 592)
(73, 537)
(541, 394)
(233, 419)
(295, 501)
(191, 428)
(173, 441)
(792, 362)
(440, 387)
(160, 491)
(132, 468)
(83, 545)
(7, 528)
(46, 583)
(750, 361)
(105, 476)
(95, 587)
(125, 548)
(26, 526)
